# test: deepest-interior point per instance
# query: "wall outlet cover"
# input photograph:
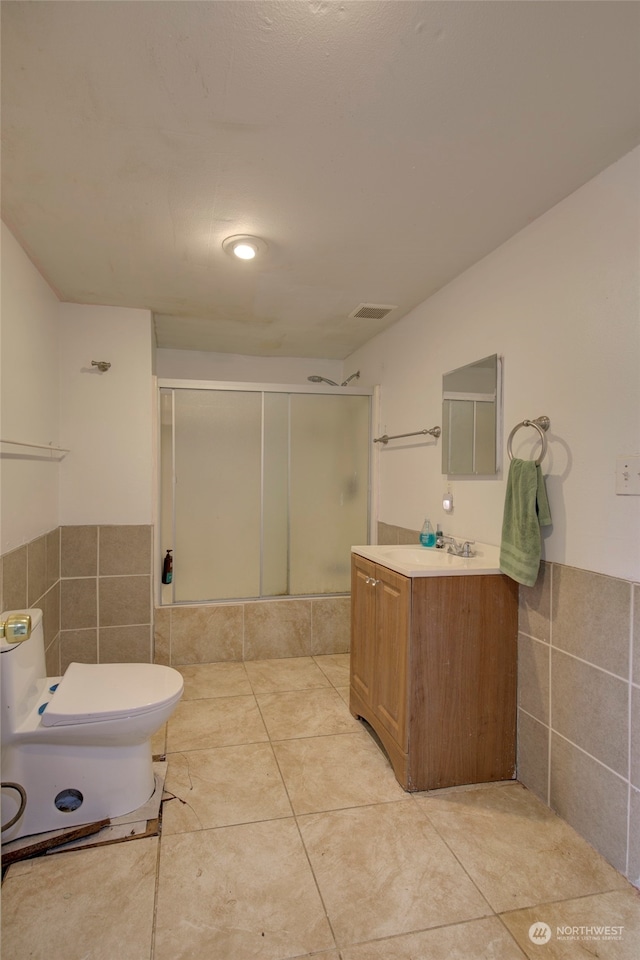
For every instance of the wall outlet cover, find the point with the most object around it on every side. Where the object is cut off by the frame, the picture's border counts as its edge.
(628, 475)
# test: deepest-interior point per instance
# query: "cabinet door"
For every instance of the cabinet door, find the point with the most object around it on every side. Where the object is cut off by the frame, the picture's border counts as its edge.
(363, 632)
(393, 612)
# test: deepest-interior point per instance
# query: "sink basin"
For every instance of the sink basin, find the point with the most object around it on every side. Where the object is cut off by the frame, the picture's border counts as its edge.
(425, 556)
(412, 560)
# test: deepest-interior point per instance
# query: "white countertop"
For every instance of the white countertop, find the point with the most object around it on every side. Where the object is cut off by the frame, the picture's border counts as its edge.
(414, 560)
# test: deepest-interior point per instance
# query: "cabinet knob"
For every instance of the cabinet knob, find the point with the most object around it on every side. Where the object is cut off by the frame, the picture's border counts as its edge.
(372, 581)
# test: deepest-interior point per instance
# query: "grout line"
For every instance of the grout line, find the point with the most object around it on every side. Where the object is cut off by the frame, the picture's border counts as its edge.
(550, 681)
(26, 576)
(552, 729)
(530, 636)
(110, 576)
(590, 755)
(590, 663)
(315, 880)
(156, 890)
(424, 813)
(533, 717)
(295, 819)
(500, 917)
(98, 631)
(630, 729)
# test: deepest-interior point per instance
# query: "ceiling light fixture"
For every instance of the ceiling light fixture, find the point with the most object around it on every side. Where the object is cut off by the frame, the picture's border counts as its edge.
(244, 247)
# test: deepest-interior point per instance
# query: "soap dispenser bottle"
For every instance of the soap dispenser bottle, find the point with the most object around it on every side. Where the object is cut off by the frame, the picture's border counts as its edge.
(167, 568)
(427, 535)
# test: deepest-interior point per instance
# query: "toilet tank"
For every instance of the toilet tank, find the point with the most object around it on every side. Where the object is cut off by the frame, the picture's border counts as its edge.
(22, 665)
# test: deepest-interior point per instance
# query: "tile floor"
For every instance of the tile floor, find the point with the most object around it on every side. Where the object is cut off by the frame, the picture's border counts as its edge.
(286, 835)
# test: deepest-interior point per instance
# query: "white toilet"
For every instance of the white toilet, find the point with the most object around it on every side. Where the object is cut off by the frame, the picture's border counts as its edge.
(79, 745)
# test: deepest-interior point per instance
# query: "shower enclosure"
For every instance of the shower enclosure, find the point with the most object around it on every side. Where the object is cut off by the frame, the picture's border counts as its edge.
(263, 488)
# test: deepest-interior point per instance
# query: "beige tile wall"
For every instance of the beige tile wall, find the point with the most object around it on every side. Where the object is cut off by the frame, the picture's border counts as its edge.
(579, 705)
(94, 586)
(389, 535)
(252, 630)
(106, 594)
(30, 577)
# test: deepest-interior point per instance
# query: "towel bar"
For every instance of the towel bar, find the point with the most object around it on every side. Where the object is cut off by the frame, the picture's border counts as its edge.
(434, 432)
(541, 424)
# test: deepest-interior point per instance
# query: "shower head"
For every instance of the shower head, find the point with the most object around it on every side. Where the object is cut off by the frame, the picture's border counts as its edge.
(317, 379)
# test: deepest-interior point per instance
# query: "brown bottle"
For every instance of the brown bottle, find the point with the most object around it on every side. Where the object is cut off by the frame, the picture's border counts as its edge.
(167, 568)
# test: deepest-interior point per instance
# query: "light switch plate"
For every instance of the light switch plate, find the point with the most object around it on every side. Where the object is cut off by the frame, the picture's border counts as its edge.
(628, 475)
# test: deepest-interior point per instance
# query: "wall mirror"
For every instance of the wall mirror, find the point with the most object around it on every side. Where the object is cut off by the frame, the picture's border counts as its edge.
(472, 418)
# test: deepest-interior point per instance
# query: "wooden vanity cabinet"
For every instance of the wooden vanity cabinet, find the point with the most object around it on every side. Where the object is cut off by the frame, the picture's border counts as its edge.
(433, 671)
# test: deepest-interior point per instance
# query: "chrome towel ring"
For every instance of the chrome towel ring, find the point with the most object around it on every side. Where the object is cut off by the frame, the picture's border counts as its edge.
(541, 424)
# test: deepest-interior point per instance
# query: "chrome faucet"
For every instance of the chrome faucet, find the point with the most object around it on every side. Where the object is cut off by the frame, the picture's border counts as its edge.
(462, 549)
(466, 549)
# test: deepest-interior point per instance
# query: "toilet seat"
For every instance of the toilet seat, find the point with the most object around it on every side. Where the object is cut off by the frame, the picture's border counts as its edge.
(90, 692)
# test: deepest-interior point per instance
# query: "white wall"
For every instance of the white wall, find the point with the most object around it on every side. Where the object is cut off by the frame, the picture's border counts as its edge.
(28, 399)
(560, 302)
(107, 419)
(194, 365)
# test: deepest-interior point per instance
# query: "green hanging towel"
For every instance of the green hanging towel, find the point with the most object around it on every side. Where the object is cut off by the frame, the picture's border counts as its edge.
(526, 509)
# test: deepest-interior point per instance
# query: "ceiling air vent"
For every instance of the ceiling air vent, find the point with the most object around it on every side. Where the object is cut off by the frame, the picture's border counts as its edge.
(372, 311)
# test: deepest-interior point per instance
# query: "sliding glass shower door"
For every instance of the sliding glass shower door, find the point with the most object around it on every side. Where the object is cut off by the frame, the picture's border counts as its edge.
(329, 490)
(262, 491)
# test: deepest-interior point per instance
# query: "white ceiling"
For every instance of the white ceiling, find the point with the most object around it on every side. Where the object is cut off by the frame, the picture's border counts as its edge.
(380, 148)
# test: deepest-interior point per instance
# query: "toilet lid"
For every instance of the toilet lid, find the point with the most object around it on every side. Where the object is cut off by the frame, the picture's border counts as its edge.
(89, 692)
